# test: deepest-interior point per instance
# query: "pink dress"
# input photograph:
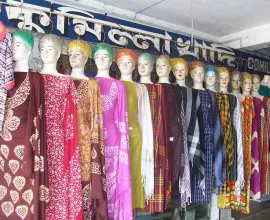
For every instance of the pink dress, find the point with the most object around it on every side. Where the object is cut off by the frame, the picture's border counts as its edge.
(116, 142)
(63, 150)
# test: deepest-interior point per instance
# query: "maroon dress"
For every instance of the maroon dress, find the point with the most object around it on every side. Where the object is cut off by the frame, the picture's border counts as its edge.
(23, 168)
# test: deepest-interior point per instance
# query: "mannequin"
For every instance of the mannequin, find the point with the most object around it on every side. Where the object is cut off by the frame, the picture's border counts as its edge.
(235, 81)
(23, 43)
(265, 86)
(246, 83)
(126, 61)
(145, 67)
(50, 47)
(78, 52)
(180, 70)
(103, 57)
(266, 80)
(116, 134)
(211, 76)
(223, 79)
(197, 72)
(256, 82)
(163, 68)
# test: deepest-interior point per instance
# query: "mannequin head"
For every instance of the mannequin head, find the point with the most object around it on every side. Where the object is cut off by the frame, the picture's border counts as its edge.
(197, 72)
(126, 61)
(223, 79)
(50, 47)
(179, 69)
(211, 77)
(246, 84)
(236, 81)
(145, 64)
(256, 82)
(78, 52)
(23, 43)
(103, 56)
(163, 68)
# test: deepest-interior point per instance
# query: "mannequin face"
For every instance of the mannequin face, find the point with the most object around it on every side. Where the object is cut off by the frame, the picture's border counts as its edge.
(144, 67)
(125, 65)
(224, 80)
(210, 79)
(163, 69)
(77, 59)
(247, 85)
(255, 85)
(197, 75)
(20, 49)
(180, 72)
(102, 60)
(48, 52)
(236, 82)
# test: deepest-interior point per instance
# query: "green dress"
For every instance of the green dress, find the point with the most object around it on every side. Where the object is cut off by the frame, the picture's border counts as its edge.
(135, 141)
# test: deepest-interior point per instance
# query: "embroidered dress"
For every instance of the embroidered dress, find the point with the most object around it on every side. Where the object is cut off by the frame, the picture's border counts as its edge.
(23, 158)
(135, 142)
(7, 81)
(91, 143)
(117, 152)
(62, 149)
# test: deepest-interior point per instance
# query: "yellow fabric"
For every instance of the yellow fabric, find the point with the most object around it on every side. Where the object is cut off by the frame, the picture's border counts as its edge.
(135, 142)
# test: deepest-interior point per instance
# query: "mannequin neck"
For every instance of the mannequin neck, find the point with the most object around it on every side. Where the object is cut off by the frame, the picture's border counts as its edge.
(256, 94)
(181, 83)
(212, 88)
(245, 93)
(223, 90)
(21, 66)
(164, 80)
(236, 91)
(127, 77)
(50, 68)
(103, 73)
(78, 73)
(198, 86)
(145, 79)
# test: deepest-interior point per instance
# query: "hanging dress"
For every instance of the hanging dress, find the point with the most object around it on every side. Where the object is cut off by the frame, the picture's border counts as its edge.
(162, 187)
(63, 149)
(91, 143)
(147, 162)
(184, 186)
(226, 121)
(205, 114)
(23, 158)
(255, 191)
(117, 151)
(247, 110)
(135, 143)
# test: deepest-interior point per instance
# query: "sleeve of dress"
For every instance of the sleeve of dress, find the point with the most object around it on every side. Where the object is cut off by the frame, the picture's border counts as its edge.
(240, 157)
(9, 74)
(98, 176)
(147, 169)
(71, 163)
(123, 204)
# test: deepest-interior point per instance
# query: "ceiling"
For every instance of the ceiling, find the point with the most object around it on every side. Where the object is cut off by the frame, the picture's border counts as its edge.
(215, 17)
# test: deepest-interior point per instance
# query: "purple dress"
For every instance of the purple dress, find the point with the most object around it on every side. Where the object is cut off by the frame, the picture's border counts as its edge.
(116, 142)
(255, 191)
